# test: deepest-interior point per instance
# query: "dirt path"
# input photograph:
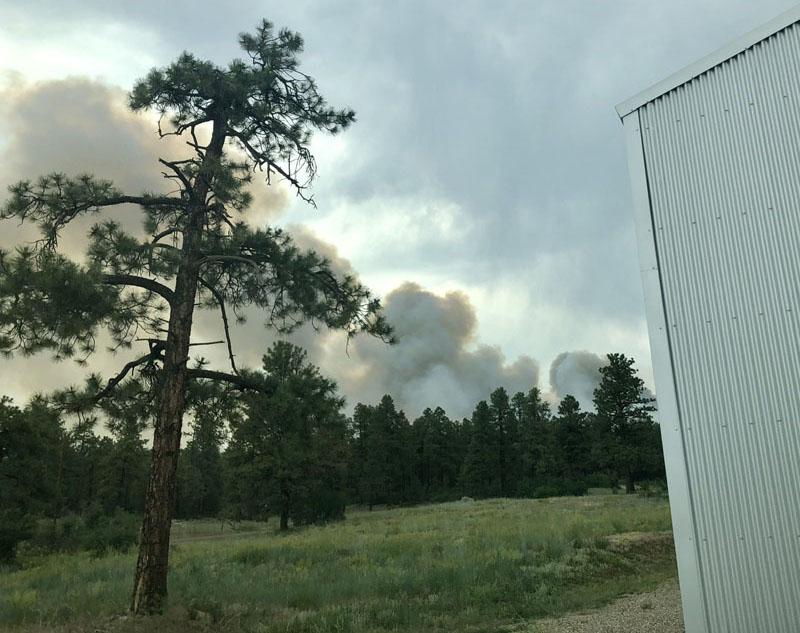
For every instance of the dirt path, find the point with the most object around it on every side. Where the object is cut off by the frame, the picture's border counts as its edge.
(657, 611)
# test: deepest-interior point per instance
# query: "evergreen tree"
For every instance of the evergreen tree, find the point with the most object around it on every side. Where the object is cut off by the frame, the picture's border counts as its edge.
(506, 431)
(536, 441)
(87, 456)
(290, 446)
(572, 440)
(383, 443)
(480, 473)
(438, 452)
(29, 460)
(255, 115)
(123, 467)
(625, 428)
(200, 477)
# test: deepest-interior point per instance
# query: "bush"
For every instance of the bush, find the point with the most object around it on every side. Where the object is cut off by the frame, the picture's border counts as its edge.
(15, 527)
(598, 480)
(116, 532)
(653, 488)
(95, 532)
(319, 506)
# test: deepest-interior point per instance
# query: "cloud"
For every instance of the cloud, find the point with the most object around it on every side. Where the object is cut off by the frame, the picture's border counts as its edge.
(437, 360)
(79, 125)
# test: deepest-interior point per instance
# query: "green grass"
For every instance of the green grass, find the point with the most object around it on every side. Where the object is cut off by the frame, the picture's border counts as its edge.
(461, 566)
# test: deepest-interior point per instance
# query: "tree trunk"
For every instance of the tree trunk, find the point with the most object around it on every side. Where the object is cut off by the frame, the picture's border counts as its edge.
(629, 487)
(150, 582)
(285, 503)
(150, 585)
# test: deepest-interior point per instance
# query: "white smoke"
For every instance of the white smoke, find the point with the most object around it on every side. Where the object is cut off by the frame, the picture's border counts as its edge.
(436, 361)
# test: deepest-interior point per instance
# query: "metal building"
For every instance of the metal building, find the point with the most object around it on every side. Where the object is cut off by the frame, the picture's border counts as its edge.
(714, 155)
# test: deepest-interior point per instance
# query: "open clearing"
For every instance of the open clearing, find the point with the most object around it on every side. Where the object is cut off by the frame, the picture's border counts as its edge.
(477, 566)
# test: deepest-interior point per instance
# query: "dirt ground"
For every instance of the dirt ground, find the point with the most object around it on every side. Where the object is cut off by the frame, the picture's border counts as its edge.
(657, 611)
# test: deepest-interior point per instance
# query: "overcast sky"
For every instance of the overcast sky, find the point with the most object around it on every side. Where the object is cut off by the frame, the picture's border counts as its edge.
(483, 191)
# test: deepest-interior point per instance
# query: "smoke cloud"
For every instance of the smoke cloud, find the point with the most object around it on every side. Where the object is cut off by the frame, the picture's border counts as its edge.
(78, 125)
(576, 374)
(436, 361)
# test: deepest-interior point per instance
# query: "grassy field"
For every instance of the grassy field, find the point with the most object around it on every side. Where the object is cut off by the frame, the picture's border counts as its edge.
(462, 566)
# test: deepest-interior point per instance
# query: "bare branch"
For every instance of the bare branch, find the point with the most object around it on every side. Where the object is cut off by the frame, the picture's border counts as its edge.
(221, 303)
(164, 233)
(113, 382)
(142, 282)
(177, 170)
(240, 381)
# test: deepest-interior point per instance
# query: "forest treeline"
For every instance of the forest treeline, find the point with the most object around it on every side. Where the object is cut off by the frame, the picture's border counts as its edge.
(295, 457)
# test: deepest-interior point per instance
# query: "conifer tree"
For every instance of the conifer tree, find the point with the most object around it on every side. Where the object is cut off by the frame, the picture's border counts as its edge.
(506, 431)
(253, 116)
(200, 477)
(297, 435)
(572, 440)
(625, 427)
(383, 442)
(480, 473)
(438, 453)
(535, 434)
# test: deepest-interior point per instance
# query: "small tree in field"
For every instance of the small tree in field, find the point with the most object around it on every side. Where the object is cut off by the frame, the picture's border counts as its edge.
(289, 448)
(251, 116)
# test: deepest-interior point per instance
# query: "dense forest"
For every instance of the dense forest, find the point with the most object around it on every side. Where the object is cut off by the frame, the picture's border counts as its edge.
(295, 457)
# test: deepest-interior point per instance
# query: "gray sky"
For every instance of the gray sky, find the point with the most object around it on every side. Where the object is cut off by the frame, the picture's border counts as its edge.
(483, 191)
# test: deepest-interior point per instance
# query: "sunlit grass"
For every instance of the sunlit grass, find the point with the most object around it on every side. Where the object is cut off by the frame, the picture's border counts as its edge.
(454, 566)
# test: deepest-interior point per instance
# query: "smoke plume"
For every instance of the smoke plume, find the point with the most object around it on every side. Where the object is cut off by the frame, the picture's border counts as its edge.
(82, 126)
(436, 361)
(576, 374)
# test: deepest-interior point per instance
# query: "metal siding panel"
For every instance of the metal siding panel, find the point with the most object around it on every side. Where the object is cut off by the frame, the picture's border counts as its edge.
(723, 167)
(683, 528)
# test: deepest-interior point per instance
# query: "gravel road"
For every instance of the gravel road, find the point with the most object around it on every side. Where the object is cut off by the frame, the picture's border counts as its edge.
(656, 611)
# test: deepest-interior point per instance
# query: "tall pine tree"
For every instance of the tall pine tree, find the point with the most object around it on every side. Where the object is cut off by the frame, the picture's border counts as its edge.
(625, 427)
(250, 116)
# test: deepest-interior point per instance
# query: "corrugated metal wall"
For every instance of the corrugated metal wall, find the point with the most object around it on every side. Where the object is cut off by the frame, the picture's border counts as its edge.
(722, 156)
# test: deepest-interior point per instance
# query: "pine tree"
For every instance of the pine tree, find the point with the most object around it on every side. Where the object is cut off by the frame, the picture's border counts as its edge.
(383, 442)
(506, 431)
(123, 468)
(625, 427)
(480, 476)
(200, 477)
(291, 445)
(535, 436)
(29, 447)
(255, 115)
(438, 454)
(572, 440)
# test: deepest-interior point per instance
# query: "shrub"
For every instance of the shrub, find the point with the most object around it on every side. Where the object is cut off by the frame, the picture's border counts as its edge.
(14, 528)
(653, 488)
(116, 532)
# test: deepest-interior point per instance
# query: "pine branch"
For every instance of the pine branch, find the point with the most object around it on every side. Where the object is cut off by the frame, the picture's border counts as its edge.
(142, 282)
(155, 354)
(221, 303)
(243, 382)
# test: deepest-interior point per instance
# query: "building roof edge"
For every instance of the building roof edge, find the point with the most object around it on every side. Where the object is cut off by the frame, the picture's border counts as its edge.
(738, 46)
